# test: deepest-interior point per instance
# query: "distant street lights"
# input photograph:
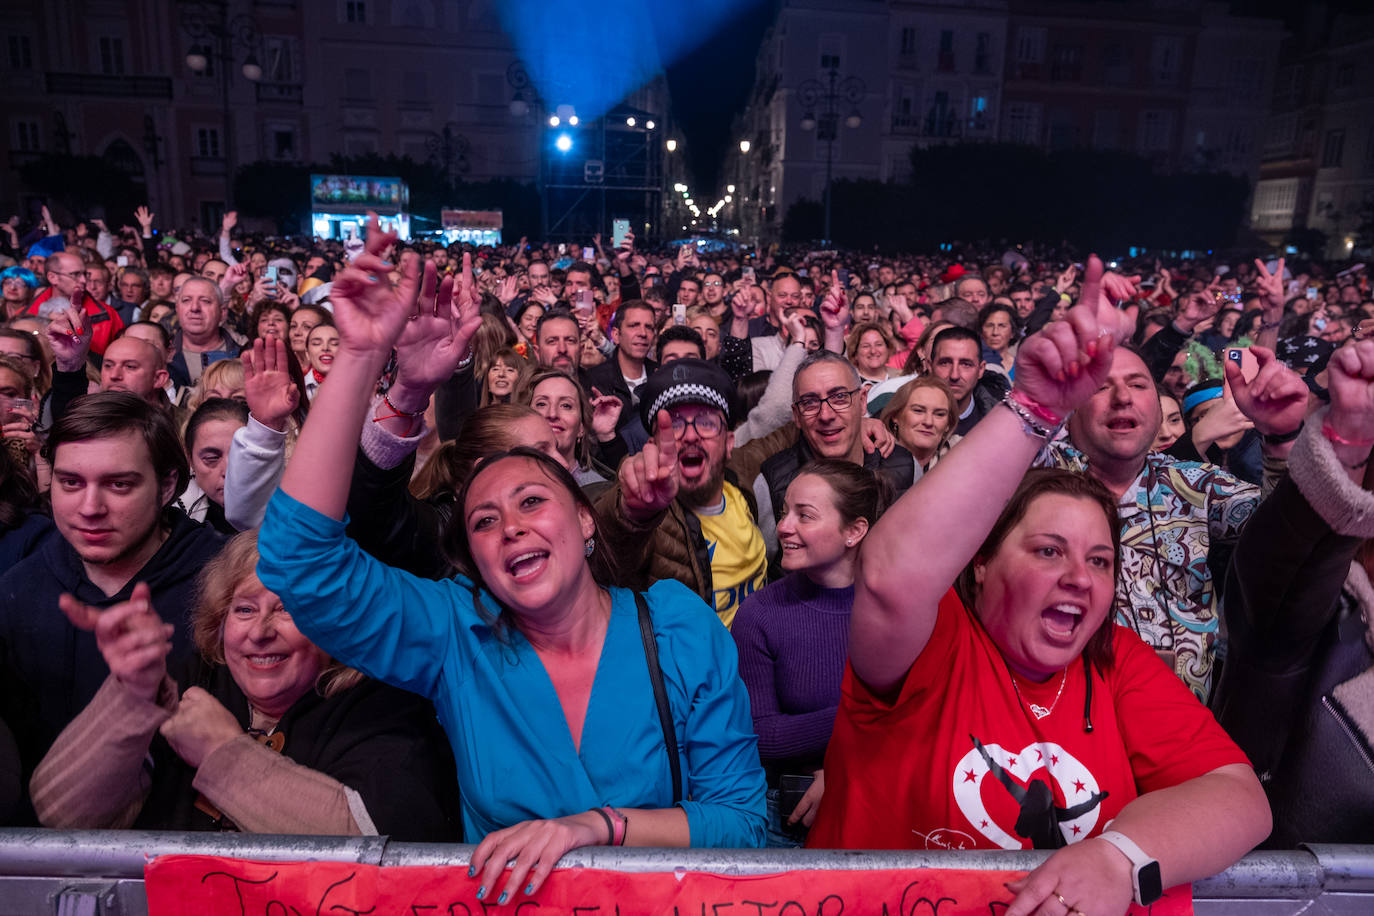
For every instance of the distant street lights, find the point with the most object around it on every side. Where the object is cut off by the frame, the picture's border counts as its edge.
(828, 96)
(214, 36)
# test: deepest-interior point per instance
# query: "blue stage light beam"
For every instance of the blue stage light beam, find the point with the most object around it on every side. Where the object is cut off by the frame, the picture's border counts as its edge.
(598, 52)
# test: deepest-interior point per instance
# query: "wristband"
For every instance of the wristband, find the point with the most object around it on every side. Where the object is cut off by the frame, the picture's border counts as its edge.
(1281, 438)
(1329, 432)
(617, 822)
(1031, 424)
(610, 828)
(1044, 413)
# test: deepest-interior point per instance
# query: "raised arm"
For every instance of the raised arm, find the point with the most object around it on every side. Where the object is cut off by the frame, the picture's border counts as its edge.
(951, 509)
(257, 455)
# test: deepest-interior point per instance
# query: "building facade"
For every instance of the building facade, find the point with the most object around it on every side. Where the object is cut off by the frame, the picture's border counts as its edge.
(292, 81)
(1181, 82)
(1318, 151)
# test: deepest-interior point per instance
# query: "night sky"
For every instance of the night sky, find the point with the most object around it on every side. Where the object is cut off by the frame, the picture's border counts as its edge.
(711, 84)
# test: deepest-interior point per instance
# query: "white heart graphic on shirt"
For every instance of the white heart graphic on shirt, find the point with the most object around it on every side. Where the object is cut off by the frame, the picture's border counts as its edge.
(1076, 783)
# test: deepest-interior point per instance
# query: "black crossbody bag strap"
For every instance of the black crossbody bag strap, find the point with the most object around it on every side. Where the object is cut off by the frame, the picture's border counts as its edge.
(665, 716)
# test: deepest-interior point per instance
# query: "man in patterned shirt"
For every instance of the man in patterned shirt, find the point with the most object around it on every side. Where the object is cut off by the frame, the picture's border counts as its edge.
(1173, 513)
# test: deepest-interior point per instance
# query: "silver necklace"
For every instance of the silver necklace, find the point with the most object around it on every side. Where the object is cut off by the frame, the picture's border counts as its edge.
(1037, 710)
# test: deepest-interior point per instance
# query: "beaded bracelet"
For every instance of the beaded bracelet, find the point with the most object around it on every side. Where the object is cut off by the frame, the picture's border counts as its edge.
(1030, 423)
(1044, 413)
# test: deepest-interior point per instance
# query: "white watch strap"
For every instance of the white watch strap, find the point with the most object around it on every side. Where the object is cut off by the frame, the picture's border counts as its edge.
(1128, 847)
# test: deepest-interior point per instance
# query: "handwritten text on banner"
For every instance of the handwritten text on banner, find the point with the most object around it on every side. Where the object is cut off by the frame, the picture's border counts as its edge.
(214, 886)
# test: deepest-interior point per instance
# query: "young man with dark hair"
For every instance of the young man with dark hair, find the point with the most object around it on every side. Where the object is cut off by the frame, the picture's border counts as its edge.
(678, 341)
(621, 376)
(118, 466)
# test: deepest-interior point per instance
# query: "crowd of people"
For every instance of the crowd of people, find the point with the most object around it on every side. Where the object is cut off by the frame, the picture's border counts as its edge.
(539, 547)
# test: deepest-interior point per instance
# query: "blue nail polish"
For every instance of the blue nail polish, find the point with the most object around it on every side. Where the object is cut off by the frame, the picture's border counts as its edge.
(529, 889)
(502, 899)
(472, 871)
(481, 892)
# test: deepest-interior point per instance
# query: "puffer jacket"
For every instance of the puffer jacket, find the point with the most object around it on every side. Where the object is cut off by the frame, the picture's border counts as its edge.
(670, 546)
(1297, 689)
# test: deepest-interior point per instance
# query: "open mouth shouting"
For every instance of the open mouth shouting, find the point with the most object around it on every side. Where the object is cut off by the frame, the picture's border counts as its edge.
(1061, 621)
(526, 565)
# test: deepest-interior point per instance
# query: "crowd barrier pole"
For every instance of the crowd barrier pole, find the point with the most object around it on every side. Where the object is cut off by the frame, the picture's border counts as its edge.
(100, 872)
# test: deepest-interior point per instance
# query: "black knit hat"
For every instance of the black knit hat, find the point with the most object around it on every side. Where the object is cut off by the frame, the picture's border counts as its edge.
(686, 381)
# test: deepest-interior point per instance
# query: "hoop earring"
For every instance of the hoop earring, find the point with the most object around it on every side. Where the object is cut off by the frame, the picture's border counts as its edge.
(590, 546)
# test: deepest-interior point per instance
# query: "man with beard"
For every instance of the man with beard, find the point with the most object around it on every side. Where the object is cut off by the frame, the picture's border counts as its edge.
(708, 538)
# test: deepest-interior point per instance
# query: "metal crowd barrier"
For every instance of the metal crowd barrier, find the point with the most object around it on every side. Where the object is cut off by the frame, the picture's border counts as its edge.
(100, 873)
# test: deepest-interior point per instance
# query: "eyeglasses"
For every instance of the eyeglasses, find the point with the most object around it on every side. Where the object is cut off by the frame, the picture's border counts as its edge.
(810, 405)
(714, 283)
(70, 273)
(707, 425)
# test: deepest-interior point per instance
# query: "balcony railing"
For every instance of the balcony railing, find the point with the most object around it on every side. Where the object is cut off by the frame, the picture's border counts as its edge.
(140, 87)
(290, 93)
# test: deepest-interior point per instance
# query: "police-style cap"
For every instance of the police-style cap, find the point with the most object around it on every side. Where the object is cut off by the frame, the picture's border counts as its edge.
(686, 381)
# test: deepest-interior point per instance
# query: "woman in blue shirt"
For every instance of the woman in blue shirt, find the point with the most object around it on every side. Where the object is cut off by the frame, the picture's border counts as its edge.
(535, 663)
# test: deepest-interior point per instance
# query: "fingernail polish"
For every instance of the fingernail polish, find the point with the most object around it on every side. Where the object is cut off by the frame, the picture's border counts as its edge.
(481, 892)
(529, 889)
(472, 871)
(502, 899)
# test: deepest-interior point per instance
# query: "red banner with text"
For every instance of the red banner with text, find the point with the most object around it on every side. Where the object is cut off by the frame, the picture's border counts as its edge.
(214, 886)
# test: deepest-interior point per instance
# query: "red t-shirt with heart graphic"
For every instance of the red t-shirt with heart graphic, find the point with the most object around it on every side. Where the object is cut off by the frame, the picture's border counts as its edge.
(948, 762)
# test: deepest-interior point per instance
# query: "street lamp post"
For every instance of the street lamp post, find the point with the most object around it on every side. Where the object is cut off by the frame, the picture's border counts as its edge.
(830, 95)
(215, 35)
(741, 198)
(525, 94)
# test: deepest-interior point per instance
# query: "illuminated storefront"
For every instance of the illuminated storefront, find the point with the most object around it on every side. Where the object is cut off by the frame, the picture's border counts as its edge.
(339, 205)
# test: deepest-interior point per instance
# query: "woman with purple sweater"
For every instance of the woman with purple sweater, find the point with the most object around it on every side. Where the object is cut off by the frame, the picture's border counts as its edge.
(793, 636)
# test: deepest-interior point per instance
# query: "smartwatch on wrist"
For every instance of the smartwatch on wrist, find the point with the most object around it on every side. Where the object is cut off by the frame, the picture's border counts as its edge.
(1145, 879)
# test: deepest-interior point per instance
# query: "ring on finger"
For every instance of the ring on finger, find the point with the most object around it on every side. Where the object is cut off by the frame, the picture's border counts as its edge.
(1062, 901)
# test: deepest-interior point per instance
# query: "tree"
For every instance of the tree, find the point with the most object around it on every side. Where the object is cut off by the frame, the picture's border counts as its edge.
(84, 185)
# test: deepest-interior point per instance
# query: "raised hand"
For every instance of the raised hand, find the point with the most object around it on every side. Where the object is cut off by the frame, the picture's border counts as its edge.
(235, 275)
(130, 635)
(199, 726)
(544, 296)
(1275, 400)
(369, 312)
(835, 306)
(1120, 288)
(649, 479)
(145, 219)
(605, 415)
(1064, 281)
(20, 427)
(271, 393)
(437, 337)
(1351, 418)
(507, 289)
(70, 338)
(231, 219)
(1062, 365)
(1270, 286)
(1197, 308)
(1224, 420)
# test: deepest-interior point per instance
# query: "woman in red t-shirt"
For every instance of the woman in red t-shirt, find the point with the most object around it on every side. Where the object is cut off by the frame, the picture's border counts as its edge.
(1012, 713)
